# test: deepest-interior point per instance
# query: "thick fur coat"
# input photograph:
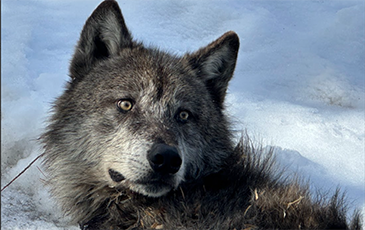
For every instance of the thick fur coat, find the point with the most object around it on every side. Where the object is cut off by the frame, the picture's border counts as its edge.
(248, 193)
(139, 140)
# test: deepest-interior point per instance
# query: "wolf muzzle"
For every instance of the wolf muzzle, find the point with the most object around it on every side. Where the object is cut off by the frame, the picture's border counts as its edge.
(164, 159)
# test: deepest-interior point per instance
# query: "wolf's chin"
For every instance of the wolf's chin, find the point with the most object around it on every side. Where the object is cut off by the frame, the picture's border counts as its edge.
(151, 190)
(148, 187)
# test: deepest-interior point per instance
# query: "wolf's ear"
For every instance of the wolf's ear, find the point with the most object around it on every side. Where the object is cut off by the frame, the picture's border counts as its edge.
(215, 64)
(104, 35)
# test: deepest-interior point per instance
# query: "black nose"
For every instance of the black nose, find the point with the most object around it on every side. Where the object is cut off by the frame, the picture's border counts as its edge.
(164, 159)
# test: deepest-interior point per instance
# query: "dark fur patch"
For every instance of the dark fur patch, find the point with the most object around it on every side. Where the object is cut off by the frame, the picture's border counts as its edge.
(116, 176)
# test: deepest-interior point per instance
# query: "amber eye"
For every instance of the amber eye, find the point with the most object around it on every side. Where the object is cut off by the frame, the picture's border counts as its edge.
(184, 115)
(125, 105)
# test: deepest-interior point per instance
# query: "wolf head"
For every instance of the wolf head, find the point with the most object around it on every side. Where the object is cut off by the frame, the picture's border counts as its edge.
(135, 117)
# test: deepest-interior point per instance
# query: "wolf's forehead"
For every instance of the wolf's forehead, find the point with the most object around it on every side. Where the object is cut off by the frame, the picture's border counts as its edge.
(162, 87)
(155, 76)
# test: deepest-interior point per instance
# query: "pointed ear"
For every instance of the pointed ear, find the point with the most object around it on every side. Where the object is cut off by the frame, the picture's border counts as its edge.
(215, 64)
(104, 35)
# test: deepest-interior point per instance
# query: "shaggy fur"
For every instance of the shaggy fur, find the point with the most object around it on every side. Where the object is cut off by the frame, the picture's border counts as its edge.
(246, 194)
(126, 103)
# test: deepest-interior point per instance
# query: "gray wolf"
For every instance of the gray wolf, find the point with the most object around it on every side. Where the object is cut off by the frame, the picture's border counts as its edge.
(139, 140)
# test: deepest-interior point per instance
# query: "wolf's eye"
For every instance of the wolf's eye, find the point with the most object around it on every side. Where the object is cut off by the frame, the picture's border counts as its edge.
(183, 116)
(125, 105)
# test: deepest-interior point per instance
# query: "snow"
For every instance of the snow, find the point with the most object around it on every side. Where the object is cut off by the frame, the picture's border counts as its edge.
(299, 84)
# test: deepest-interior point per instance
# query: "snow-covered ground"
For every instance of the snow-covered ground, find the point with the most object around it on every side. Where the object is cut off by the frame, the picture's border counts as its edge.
(299, 83)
